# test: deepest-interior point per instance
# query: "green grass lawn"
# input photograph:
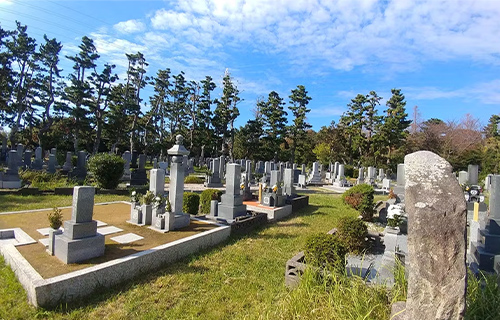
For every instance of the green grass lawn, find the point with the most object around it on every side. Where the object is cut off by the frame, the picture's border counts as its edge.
(240, 279)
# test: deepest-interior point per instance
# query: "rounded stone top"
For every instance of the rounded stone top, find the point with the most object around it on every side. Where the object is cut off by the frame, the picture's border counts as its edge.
(179, 139)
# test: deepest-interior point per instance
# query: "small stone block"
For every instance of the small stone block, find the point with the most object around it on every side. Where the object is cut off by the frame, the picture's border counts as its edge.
(44, 241)
(100, 223)
(127, 238)
(109, 230)
(45, 231)
(74, 230)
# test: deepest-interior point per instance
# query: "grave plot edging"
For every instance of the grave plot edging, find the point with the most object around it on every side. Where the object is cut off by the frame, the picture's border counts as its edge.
(71, 286)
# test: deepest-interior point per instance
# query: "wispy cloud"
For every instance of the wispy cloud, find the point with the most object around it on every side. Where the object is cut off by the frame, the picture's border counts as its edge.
(485, 92)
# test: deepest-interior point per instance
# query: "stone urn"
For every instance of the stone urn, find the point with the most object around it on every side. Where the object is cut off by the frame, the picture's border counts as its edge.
(147, 214)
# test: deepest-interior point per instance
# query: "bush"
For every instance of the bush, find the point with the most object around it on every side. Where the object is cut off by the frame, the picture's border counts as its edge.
(45, 180)
(55, 218)
(360, 197)
(326, 251)
(353, 232)
(206, 196)
(193, 179)
(190, 203)
(107, 169)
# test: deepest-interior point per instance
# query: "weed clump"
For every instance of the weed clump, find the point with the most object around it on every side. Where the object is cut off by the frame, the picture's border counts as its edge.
(352, 232)
(326, 251)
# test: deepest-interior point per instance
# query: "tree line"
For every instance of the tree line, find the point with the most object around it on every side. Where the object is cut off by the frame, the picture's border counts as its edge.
(91, 109)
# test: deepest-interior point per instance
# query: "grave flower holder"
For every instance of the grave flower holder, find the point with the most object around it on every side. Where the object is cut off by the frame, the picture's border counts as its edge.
(136, 213)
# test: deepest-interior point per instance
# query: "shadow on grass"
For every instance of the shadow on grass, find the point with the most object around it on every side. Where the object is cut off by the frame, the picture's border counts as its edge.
(279, 235)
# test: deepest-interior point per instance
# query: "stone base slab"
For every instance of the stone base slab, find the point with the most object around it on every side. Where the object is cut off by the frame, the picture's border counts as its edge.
(73, 251)
(229, 212)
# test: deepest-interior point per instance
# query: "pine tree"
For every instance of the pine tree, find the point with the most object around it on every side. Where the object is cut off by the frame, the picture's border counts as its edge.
(79, 92)
(393, 131)
(298, 105)
(274, 117)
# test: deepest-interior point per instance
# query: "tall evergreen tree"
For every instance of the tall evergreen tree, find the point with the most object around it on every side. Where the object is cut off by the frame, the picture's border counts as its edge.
(22, 51)
(226, 112)
(49, 86)
(79, 92)
(394, 128)
(274, 118)
(98, 102)
(298, 105)
(352, 123)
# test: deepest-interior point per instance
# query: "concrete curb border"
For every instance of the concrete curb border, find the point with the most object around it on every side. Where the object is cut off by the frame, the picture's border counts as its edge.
(71, 286)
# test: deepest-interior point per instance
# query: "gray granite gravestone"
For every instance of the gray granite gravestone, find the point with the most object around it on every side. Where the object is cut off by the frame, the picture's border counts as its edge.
(315, 174)
(20, 150)
(133, 162)
(127, 157)
(38, 163)
(80, 172)
(10, 179)
(80, 240)
(139, 176)
(486, 250)
(288, 188)
(213, 179)
(52, 163)
(401, 175)
(463, 177)
(436, 238)
(231, 205)
(381, 174)
(361, 176)
(68, 164)
(27, 158)
(473, 173)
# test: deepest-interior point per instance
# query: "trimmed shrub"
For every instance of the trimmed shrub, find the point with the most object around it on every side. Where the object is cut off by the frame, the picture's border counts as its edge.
(107, 169)
(45, 180)
(353, 232)
(360, 197)
(190, 203)
(193, 179)
(206, 196)
(326, 251)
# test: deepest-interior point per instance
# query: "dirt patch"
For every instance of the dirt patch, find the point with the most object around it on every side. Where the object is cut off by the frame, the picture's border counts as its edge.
(114, 215)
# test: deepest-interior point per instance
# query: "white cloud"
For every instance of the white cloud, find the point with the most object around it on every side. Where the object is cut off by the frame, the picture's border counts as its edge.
(130, 26)
(343, 34)
(484, 92)
(326, 112)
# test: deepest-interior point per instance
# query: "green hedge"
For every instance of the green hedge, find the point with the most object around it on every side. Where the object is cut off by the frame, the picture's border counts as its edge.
(206, 196)
(193, 179)
(190, 203)
(360, 197)
(353, 232)
(326, 251)
(107, 169)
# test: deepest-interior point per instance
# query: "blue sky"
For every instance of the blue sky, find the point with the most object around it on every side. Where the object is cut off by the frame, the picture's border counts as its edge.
(444, 55)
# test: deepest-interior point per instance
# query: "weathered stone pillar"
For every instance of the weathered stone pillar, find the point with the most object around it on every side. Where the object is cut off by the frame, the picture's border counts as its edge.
(177, 174)
(436, 238)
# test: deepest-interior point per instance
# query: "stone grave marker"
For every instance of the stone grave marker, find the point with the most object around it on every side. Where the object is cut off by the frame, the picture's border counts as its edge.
(231, 205)
(436, 238)
(68, 164)
(473, 173)
(38, 163)
(80, 240)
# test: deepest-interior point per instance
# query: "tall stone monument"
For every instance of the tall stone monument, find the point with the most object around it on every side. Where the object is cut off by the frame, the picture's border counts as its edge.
(80, 240)
(176, 192)
(436, 238)
(231, 205)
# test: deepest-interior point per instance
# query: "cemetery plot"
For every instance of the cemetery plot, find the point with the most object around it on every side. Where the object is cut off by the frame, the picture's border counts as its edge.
(112, 222)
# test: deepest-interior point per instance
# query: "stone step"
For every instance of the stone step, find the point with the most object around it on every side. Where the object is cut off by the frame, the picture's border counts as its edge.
(484, 259)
